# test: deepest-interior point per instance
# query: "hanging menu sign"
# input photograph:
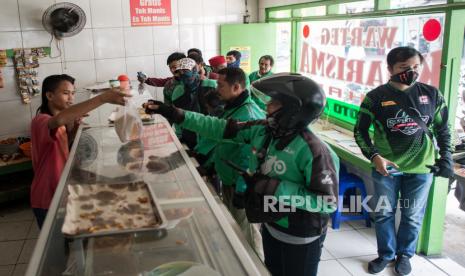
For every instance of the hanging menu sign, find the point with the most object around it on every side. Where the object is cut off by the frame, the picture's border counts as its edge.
(150, 12)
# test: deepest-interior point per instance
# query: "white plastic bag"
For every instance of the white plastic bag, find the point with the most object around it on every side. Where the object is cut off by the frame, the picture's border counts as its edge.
(128, 124)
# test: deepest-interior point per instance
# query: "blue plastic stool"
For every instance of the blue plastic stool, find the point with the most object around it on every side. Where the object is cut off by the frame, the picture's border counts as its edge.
(346, 182)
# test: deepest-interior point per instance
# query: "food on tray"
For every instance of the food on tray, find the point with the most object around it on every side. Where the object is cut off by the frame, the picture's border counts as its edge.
(95, 208)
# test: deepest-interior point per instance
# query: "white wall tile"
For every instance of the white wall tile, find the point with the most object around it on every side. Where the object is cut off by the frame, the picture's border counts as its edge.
(48, 69)
(211, 35)
(80, 46)
(145, 64)
(253, 11)
(106, 13)
(34, 105)
(138, 41)
(21, 120)
(36, 39)
(82, 71)
(261, 15)
(31, 11)
(85, 6)
(234, 18)
(108, 43)
(209, 54)
(10, 40)
(9, 19)
(108, 69)
(190, 11)
(161, 69)
(42, 39)
(214, 11)
(9, 91)
(165, 39)
(191, 36)
(235, 7)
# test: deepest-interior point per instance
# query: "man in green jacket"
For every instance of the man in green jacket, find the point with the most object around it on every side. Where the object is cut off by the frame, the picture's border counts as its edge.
(290, 169)
(239, 106)
(265, 64)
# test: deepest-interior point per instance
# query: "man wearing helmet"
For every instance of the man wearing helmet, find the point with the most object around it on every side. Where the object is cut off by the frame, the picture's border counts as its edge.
(289, 166)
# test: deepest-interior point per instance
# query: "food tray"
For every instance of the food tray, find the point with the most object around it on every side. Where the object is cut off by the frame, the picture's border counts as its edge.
(107, 209)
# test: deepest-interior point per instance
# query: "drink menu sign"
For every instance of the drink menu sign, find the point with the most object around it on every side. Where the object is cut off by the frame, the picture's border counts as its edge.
(150, 12)
(348, 57)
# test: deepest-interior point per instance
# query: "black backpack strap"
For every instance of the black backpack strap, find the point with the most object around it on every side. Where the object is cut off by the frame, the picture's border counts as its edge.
(405, 103)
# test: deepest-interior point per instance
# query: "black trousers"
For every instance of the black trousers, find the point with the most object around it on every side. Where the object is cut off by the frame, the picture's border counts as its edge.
(284, 259)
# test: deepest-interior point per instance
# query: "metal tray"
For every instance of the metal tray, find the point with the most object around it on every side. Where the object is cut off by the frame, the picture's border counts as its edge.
(156, 209)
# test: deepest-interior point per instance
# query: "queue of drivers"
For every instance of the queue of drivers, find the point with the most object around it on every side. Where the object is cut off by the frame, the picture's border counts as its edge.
(252, 137)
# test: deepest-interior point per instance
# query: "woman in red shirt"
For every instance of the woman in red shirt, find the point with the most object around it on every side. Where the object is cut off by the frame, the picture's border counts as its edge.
(52, 132)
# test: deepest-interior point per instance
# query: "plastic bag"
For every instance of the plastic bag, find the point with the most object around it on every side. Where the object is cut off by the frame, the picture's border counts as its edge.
(128, 124)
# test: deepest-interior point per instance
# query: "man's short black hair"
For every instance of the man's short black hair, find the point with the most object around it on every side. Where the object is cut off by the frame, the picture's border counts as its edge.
(233, 76)
(267, 57)
(237, 55)
(175, 56)
(194, 50)
(196, 57)
(401, 54)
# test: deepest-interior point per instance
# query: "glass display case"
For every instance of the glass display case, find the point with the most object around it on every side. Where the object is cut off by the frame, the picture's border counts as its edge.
(197, 236)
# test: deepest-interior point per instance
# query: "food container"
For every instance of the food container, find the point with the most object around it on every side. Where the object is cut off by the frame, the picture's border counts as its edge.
(26, 148)
(106, 209)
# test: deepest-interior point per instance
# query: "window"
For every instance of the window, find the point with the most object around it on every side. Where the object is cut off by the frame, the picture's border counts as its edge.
(312, 11)
(400, 4)
(357, 7)
(280, 14)
(348, 57)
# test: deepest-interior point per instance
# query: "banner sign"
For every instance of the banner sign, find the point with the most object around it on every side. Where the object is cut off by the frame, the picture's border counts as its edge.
(150, 12)
(348, 57)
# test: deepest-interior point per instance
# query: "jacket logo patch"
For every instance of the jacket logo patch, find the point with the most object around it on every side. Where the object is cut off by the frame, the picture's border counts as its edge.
(388, 103)
(326, 179)
(403, 123)
(274, 164)
(423, 99)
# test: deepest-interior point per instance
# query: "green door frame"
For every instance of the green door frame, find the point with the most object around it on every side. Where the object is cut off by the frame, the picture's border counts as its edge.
(431, 237)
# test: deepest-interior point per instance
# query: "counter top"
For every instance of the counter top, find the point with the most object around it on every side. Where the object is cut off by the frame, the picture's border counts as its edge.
(198, 231)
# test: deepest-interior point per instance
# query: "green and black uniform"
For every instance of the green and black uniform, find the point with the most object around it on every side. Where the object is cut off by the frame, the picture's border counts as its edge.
(305, 167)
(397, 137)
(193, 100)
(241, 109)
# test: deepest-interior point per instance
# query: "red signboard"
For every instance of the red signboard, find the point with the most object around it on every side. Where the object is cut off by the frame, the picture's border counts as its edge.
(156, 135)
(150, 12)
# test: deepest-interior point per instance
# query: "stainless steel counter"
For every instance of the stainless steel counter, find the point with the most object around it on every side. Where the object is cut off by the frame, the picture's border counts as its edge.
(198, 231)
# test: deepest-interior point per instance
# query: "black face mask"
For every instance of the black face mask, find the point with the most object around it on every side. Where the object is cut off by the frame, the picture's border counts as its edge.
(408, 77)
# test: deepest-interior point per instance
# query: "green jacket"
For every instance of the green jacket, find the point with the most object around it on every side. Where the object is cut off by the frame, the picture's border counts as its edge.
(306, 167)
(256, 76)
(243, 109)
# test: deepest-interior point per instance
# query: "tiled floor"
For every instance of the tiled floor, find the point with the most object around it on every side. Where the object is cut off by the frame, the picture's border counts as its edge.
(18, 235)
(347, 251)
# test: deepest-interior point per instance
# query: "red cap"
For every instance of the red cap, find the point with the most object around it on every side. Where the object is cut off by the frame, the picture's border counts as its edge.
(218, 60)
(123, 78)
